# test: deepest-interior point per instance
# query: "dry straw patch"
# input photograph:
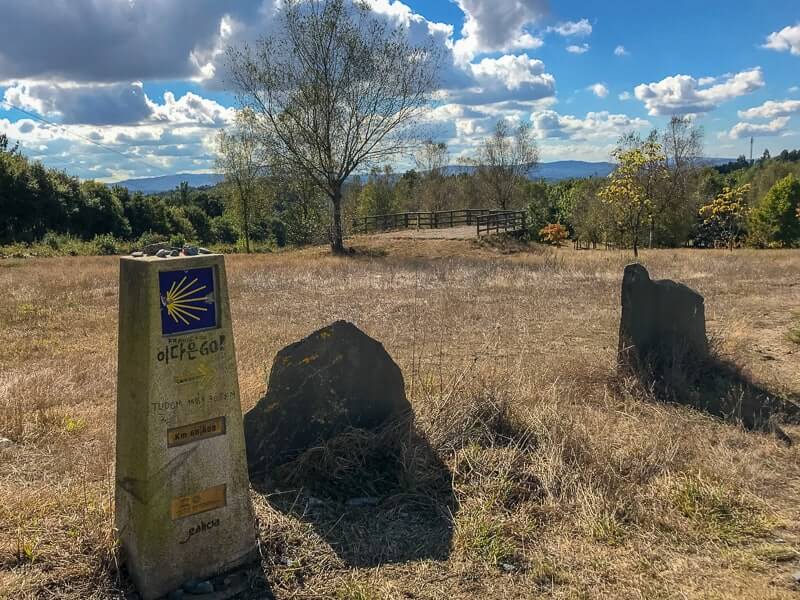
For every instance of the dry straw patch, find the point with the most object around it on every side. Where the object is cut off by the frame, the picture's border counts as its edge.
(532, 468)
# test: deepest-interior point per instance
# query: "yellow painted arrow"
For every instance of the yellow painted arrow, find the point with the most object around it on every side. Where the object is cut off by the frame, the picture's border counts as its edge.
(203, 375)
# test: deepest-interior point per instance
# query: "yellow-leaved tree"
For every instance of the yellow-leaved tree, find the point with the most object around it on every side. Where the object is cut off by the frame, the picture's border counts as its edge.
(726, 214)
(631, 188)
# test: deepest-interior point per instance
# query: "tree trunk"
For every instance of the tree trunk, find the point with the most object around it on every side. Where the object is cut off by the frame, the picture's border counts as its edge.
(245, 219)
(337, 241)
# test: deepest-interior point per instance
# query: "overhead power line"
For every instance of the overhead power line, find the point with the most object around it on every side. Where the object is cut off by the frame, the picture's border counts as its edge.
(84, 138)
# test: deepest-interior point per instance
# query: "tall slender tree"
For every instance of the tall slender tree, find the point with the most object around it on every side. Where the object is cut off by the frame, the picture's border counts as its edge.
(241, 158)
(335, 90)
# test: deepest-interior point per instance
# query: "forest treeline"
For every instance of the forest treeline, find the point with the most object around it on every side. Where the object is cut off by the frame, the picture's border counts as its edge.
(677, 200)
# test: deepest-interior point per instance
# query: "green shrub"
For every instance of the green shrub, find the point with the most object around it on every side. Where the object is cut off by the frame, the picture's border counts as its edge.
(177, 241)
(774, 222)
(52, 240)
(223, 230)
(106, 244)
(150, 237)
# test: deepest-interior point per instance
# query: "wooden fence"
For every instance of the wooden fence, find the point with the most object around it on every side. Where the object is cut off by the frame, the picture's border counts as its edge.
(512, 220)
(496, 220)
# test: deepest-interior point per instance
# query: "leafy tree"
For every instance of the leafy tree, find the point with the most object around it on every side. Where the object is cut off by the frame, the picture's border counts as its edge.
(200, 222)
(179, 225)
(181, 196)
(774, 221)
(629, 192)
(210, 202)
(378, 197)
(590, 215)
(410, 188)
(223, 230)
(102, 212)
(242, 159)
(337, 89)
(539, 201)
(725, 216)
(146, 214)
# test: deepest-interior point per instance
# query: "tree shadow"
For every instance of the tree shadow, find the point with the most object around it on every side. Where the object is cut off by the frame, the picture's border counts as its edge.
(376, 497)
(713, 384)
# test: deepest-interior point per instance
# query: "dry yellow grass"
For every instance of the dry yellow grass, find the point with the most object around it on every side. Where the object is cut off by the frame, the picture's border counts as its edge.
(566, 482)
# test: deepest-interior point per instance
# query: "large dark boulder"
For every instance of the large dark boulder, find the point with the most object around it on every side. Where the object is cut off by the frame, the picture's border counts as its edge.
(336, 379)
(663, 323)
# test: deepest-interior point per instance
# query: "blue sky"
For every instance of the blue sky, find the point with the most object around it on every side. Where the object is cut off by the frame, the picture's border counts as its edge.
(146, 77)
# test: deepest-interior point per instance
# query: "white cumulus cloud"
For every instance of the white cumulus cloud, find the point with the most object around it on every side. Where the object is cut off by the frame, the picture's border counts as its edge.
(771, 109)
(580, 28)
(596, 125)
(505, 79)
(682, 94)
(575, 49)
(787, 38)
(498, 26)
(599, 90)
(774, 127)
(93, 104)
(621, 51)
(112, 104)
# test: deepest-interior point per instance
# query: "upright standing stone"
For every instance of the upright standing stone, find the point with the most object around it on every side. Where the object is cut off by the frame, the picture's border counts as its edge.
(662, 321)
(182, 492)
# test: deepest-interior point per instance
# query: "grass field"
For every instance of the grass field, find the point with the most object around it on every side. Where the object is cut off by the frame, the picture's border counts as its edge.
(563, 479)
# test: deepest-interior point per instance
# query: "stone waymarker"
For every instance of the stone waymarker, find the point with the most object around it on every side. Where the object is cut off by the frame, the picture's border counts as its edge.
(337, 377)
(662, 322)
(183, 508)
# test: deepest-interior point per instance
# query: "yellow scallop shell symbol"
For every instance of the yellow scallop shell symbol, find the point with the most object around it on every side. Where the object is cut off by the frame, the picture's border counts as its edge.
(184, 303)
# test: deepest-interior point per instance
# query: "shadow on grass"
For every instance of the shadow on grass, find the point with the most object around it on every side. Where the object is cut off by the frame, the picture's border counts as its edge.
(247, 582)
(717, 386)
(375, 497)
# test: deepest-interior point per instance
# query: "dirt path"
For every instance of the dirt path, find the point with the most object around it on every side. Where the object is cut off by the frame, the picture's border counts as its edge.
(465, 232)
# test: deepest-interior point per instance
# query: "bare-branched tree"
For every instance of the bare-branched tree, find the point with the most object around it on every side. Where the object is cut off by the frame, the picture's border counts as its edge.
(335, 90)
(503, 159)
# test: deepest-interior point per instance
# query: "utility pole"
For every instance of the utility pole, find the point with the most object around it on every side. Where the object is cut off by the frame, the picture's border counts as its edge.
(751, 150)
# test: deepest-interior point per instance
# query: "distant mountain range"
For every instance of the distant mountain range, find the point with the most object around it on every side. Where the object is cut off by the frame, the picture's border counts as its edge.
(165, 183)
(557, 170)
(549, 171)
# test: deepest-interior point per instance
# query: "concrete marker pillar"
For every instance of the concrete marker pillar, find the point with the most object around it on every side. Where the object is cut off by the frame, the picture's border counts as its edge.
(183, 507)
